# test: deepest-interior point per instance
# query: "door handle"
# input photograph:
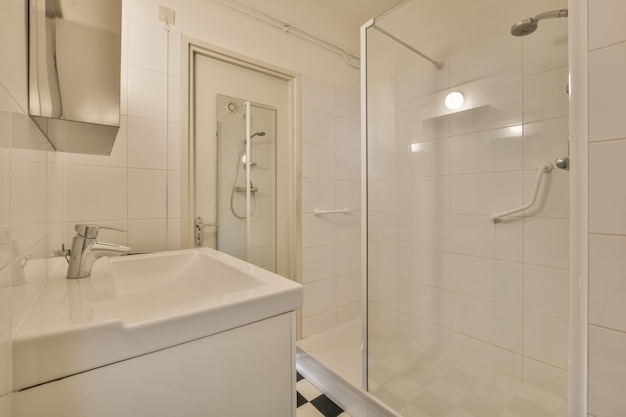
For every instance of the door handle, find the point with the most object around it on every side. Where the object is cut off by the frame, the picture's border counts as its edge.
(199, 230)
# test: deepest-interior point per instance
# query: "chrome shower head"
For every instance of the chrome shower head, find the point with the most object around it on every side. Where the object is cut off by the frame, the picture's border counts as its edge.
(524, 27)
(527, 26)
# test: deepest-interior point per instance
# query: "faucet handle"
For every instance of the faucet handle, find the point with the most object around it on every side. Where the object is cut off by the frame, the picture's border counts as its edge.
(90, 231)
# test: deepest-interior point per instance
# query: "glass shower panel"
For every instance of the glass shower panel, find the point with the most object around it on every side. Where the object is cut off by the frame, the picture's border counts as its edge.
(247, 181)
(467, 316)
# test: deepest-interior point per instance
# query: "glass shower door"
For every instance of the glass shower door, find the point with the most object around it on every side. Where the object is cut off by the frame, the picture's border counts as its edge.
(467, 316)
(246, 181)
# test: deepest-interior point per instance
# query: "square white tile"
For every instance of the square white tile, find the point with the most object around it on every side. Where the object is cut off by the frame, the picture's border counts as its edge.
(428, 267)
(494, 323)
(607, 196)
(546, 242)
(148, 235)
(546, 339)
(318, 263)
(317, 127)
(319, 297)
(317, 94)
(607, 285)
(147, 143)
(347, 103)
(173, 194)
(605, 106)
(605, 24)
(318, 193)
(147, 194)
(28, 192)
(318, 161)
(173, 99)
(546, 96)
(147, 94)
(490, 279)
(348, 257)
(348, 288)
(347, 133)
(147, 44)
(607, 372)
(95, 193)
(546, 290)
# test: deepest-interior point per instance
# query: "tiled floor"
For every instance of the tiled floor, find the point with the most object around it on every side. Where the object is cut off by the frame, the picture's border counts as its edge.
(312, 403)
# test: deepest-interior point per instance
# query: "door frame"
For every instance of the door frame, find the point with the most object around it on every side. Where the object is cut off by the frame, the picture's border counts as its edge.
(290, 250)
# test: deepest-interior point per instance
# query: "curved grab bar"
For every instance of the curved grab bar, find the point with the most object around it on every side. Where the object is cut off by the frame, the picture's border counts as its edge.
(543, 169)
(317, 211)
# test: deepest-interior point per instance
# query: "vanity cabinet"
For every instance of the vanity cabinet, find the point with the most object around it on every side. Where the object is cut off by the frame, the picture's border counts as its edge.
(245, 371)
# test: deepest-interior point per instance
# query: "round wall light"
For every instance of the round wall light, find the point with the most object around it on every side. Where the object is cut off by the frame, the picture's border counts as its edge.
(454, 100)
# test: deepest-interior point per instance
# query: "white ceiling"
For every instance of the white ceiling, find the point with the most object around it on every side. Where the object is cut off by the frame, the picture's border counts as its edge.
(355, 12)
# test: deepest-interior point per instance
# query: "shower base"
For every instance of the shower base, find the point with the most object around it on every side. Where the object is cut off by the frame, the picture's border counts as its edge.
(414, 378)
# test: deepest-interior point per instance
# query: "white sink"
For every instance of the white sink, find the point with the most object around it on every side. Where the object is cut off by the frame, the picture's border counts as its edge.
(157, 286)
(134, 305)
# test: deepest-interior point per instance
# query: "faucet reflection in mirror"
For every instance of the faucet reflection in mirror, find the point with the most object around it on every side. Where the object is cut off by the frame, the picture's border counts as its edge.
(86, 249)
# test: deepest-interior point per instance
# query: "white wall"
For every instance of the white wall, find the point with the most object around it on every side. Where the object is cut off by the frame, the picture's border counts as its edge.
(330, 180)
(30, 226)
(607, 208)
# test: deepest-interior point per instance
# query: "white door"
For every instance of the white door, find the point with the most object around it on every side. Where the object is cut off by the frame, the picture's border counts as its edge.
(235, 84)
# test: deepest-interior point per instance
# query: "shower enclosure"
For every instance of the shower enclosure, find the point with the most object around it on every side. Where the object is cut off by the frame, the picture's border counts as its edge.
(466, 214)
(467, 210)
(246, 180)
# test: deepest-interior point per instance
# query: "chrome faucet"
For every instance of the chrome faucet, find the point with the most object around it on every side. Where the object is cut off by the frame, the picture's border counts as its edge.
(86, 249)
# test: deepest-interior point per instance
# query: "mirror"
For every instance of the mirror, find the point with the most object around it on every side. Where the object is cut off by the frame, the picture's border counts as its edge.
(74, 72)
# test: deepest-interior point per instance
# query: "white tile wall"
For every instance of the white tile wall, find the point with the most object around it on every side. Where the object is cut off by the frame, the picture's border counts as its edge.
(607, 201)
(490, 279)
(545, 95)
(545, 339)
(330, 180)
(605, 106)
(607, 371)
(144, 134)
(147, 194)
(140, 181)
(31, 211)
(318, 262)
(607, 225)
(95, 193)
(147, 94)
(546, 290)
(142, 33)
(150, 235)
(606, 345)
(490, 151)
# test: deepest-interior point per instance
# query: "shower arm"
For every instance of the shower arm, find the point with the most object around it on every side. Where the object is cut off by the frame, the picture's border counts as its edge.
(551, 14)
(437, 64)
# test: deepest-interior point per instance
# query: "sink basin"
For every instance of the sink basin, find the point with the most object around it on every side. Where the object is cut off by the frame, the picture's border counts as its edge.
(156, 286)
(134, 305)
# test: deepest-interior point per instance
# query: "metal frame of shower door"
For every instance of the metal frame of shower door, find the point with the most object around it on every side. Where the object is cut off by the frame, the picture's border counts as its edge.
(248, 179)
(579, 209)
(364, 213)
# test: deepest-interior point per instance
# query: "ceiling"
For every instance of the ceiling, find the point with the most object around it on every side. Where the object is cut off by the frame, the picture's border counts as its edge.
(355, 12)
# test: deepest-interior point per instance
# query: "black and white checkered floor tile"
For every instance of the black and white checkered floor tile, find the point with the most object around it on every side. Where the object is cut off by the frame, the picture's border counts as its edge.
(312, 403)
